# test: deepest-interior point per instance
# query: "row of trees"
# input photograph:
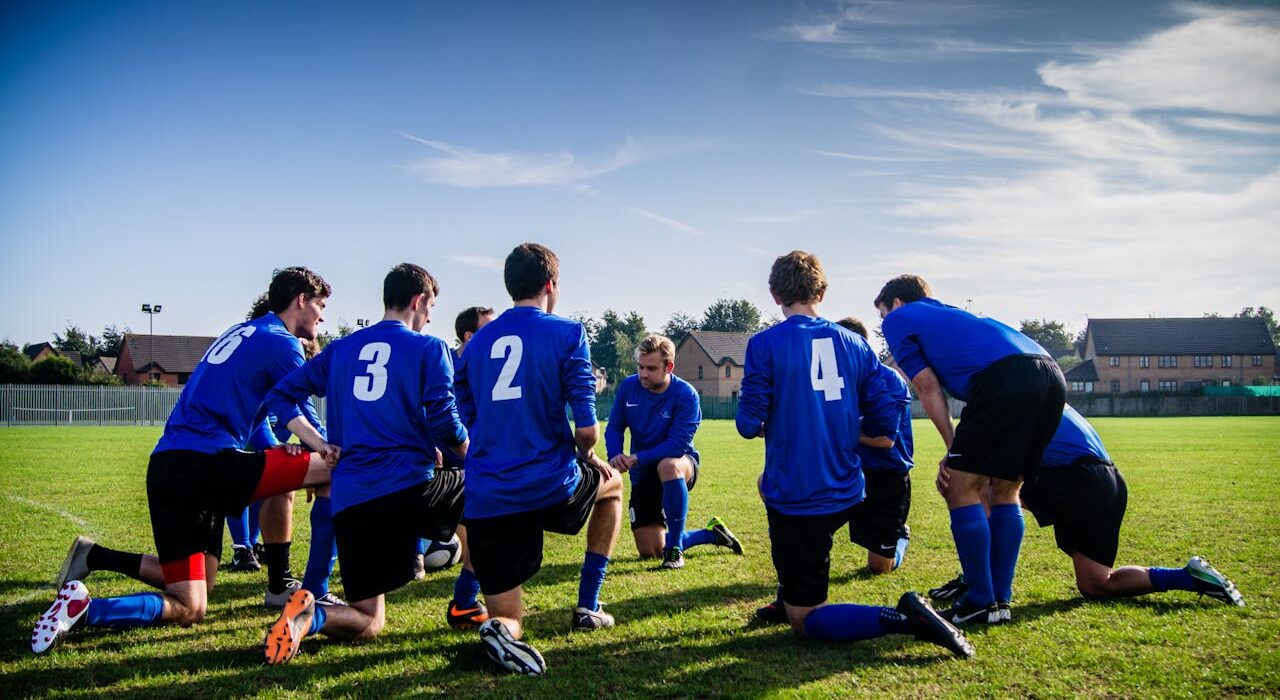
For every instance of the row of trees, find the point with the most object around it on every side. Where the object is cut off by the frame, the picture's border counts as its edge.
(613, 337)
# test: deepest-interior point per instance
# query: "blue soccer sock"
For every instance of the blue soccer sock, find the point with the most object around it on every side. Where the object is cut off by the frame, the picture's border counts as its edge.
(238, 526)
(900, 552)
(255, 527)
(421, 547)
(324, 548)
(693, 538)
(592, 580)
(318, 619)
(846, 622)
(465, 589)
(137, 610)
(973, 545)
(1007, 527)
(675, 506)
(1171, 579)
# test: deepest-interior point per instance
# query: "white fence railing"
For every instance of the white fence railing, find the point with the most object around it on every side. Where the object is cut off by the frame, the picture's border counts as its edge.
(38, 404)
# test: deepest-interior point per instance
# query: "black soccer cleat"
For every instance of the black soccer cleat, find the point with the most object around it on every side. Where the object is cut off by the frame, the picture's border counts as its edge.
(929, 626)
(961, 614)
(508, 652)
(949, 591)
(775, 613)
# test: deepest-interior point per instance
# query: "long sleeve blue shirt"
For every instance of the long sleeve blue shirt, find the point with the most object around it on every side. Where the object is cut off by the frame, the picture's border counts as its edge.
(813, 386)
(661, 425)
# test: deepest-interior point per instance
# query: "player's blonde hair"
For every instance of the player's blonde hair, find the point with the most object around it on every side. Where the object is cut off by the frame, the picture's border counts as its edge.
(659, 344)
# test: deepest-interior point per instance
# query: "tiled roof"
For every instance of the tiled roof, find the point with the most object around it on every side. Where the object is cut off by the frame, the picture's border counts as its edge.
(1083, 372)
(34, 349)
(173, 353)
(1180, 336)
(719, 345)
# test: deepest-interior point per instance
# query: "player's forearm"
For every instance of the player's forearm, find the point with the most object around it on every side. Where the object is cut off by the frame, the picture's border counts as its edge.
(935, 406)
(307, 433)
(585, 438)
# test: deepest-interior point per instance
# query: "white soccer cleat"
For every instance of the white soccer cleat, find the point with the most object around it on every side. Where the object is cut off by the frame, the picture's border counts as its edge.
(1209, 581)
(277, 600)
(508, 652)
(67, 609)
(590, 620)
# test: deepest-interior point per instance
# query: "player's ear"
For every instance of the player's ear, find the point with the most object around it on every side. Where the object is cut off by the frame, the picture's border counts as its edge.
(300, 300)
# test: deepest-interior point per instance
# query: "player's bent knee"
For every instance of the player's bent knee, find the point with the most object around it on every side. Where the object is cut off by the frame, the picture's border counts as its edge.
(880, 565)
(609, 490)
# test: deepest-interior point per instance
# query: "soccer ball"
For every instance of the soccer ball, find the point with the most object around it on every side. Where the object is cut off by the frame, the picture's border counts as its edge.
(442, 555)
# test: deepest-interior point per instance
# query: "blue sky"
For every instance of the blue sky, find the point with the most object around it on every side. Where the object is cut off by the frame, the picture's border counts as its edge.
(1030, 159)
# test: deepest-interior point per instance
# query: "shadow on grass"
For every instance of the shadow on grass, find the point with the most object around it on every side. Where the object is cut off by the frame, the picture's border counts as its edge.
(652, 662)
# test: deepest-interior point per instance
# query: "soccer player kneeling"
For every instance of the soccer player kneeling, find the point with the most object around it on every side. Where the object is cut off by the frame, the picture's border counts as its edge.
(809, 387)
(391, 404)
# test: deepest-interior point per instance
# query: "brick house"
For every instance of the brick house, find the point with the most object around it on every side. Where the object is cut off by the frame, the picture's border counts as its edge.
(1172, 354)
(712, 361)
(167, 358)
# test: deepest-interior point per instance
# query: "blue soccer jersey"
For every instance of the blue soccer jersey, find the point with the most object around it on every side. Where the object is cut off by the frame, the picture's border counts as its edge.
(953, 342)
(812, 386)
(662, 425)
(452, 460)
(221, 405)
(517, 376)
(1074, 439)
(900, 457)
(390, 405)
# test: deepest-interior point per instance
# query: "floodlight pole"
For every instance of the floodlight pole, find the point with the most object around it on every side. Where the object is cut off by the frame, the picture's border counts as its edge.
(151, 310)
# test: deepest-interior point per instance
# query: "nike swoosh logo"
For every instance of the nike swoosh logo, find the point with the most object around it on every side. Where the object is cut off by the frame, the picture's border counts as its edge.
(889, 546)
(632, 405)
(954, 454)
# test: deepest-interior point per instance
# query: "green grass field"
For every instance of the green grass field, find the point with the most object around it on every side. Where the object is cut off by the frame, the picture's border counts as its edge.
(1206, 486)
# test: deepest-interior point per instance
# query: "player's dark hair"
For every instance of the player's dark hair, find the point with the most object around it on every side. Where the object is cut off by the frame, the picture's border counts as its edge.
(288, 283)
(528, 269)
(259, 308)
(797, 277)
(854, 325)
(406, 281)
(468, 321)
(908, 288)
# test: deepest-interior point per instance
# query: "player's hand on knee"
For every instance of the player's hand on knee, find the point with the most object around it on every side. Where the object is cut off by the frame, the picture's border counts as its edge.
(330, 454)
(292, 449)
(601, 466)
(944, 477)
(619, 462)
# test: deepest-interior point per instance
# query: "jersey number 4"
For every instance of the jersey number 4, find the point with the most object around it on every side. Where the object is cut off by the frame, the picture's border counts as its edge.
(511, 348)
(823, 370)
(371, 385)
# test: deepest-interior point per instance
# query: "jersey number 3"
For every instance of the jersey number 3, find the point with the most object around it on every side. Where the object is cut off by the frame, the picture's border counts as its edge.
(373, 384)
(511, 348)
(823, 370)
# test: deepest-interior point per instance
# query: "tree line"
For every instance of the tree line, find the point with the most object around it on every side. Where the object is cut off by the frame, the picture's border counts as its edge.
(17, 368)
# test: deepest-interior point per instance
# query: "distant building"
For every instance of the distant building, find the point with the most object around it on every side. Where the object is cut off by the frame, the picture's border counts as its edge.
(40, 351)
(713, 361)
(167, 358)
(1172, 354)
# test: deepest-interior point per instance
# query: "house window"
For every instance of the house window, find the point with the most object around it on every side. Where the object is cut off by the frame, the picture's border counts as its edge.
(1257, 360)
(699, 371)
(1115, 386)
(1168, 361)
(1226, 382)
(1202, 361)
(1144, 385)
(1114, 361)
(1168, 385)
(728, 371)
(1077, 386)
(1144, 361)
(1226, 360)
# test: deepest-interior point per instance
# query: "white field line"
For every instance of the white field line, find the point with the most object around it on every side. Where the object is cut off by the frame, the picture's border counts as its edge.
(85, 528)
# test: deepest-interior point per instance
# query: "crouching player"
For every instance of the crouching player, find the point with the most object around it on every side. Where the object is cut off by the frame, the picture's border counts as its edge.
(1081, 494)
(197, 474)
(391, 404)
(663, 412)
(809, 387)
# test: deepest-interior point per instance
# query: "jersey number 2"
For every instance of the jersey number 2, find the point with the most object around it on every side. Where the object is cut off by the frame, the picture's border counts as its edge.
(373, 384)
(512, 348)
(823, 371)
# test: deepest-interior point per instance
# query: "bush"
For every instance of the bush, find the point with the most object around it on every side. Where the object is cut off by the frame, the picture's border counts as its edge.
(100, 378)
(55, 370)
(15, 367)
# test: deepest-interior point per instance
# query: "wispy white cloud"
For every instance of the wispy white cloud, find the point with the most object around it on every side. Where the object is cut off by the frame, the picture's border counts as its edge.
(464, 167)
(1223, 60)
(1238, 126)
(667, 221)
(480, 261)
(790, 218)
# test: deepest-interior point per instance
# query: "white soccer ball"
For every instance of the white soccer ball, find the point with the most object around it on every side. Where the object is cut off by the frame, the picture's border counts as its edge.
(442, 555)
